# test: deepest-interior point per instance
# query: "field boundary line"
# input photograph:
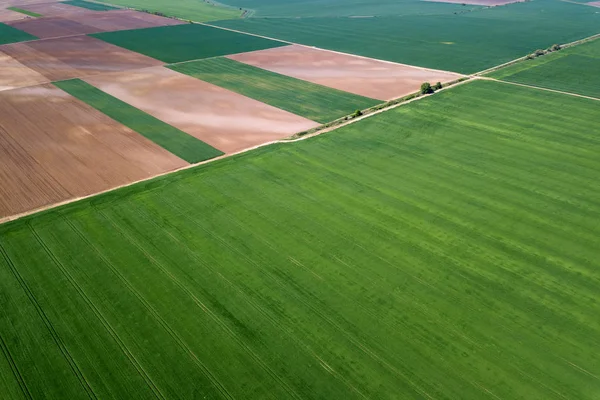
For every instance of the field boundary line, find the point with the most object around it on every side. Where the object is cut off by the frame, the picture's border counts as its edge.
(291, 139)
(536, 87)
(524, 58)
(55, 336)
(201, 305)
(99, 315)
(15, 369)
(178, 340)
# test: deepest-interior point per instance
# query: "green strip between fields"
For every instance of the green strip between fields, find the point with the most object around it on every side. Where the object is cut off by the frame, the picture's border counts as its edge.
(168, 137)
(20, 10)
(89, 5)
(312, 101)
(8, 34)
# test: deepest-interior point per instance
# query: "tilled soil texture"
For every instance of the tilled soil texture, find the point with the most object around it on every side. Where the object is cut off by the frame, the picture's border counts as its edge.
(13, 74)
(226, 120)
(54, 147)
(73, 57)
(10, 15)
(82, 23)
(359, 75)
(53, 9)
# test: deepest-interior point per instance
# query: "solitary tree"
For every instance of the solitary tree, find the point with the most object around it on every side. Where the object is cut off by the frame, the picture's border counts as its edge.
(437, 86)
(426, 88)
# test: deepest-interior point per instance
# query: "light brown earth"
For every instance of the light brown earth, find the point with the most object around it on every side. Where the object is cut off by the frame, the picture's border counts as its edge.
(226, 120)
(10, 15)
(54, 147)
(82, 23)
(21, 3)
(490, 3)
(359, 75)
(53, 9)
(13, 74)
(594, 4)
(77, 56)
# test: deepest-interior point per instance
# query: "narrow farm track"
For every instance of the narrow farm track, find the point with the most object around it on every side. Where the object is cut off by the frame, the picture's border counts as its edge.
(537, 88)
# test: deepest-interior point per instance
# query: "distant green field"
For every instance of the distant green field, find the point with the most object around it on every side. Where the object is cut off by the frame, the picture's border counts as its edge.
(467, 43)
(344, 8)
(89, 5)
(574, 69)
(195, 10)
(8, 34)
(20, 10)
(186, 42)
(315, 102)
(446, 249)
(170, 138)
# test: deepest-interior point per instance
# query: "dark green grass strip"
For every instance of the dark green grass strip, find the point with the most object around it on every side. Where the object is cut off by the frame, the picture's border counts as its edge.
(20, 10)
(170, 138)
(446, 249)
(312, 101)
(8, 34)
(186, 42)
(90, 5)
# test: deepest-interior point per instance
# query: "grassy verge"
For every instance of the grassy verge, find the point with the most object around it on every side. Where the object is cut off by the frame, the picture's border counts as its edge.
(170, 138)
(315, 102)
(20, 10)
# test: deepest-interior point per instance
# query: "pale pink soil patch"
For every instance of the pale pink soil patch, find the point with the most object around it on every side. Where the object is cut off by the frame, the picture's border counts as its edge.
(74, 57)
(10, 15)
(21, 3)
(226, 120)
(116, 20)
(359, 75)
(13, 74)
(54, 147)
(490, 3)
(52, 27)
(54, 9)
(594, 4)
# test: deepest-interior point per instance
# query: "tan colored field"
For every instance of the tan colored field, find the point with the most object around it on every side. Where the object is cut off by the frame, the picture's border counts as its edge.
(81, 23)
(227, 121)
(13, 74)
(363, 76)
(54, 9)
(65, 58)
(54, 147)
(9, 15)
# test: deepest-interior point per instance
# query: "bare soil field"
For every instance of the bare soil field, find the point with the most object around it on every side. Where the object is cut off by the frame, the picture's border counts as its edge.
(53, 9)
(54, 147)
(52, 27)
(73, 57)
(226, 120)
(594, 4)
(363, 76)
(10, 15)
(13, 74)
(83, 23)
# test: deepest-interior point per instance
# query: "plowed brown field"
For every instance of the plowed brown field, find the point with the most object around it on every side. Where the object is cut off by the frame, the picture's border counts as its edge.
(52, 27)
(363, 76)
(227, 121)
(77, 56)
(53, 9)
(54, 147)
(9, 15)
(13, 74)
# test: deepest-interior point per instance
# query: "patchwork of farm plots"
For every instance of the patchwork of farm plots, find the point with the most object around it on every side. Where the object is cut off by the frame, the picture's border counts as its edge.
(466, 42)
(423, 252)
(574, 70)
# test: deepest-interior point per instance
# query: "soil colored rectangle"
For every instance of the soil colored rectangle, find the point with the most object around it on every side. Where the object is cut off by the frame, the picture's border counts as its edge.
(315, 102)
(52, 27)
(172, 139)
(226, 120)
(54, 147)
(8, 34)
(118, 20)
(73, 57)
(360, 75)
(56, 9)
(186, 42)
(7, 15)
(90, 6)
(13, 74)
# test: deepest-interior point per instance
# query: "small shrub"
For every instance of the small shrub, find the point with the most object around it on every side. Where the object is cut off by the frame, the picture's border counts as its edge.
(437, 86)
(426, 88)
(357, 113)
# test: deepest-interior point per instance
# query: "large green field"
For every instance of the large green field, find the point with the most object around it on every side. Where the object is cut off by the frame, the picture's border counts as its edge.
(574, 69)
(344, 8)
(187, 42)
(168, 137)
(195, 10)
(443, 249)
(466, 42)
(8, 34)
(315, 102)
